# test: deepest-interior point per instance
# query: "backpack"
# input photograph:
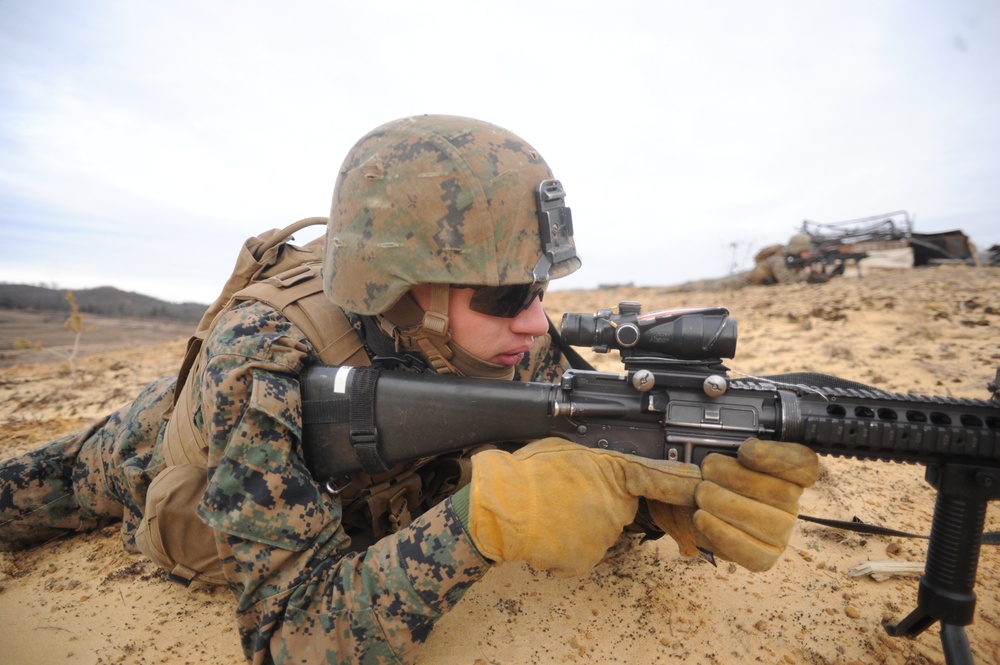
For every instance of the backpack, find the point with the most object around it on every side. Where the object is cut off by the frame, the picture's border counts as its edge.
(267, 265)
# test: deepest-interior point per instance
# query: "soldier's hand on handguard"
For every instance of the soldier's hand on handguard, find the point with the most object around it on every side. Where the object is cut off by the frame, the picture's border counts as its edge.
(559, 506)
(746, 507)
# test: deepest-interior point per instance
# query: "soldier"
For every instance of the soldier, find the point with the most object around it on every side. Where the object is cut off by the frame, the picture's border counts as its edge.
(773, 264)
(774, 267)
(434, 252)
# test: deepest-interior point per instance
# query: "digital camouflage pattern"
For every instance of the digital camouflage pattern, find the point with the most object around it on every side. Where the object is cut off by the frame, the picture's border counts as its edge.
(433, 200)
(86, 480)
(545, 363)
(280, 536)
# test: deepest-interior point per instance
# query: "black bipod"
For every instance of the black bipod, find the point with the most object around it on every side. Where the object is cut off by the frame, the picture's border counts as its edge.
(947, 586)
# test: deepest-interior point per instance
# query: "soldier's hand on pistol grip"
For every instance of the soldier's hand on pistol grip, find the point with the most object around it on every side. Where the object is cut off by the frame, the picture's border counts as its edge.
(559, 505)
(747, 506)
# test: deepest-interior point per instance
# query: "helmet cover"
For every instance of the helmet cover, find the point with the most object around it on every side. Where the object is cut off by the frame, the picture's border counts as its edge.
(798, 243)
(437, 199)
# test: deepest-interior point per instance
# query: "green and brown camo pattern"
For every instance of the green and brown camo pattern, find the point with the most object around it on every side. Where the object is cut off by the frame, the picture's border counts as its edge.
(86, 480)
(433, 199)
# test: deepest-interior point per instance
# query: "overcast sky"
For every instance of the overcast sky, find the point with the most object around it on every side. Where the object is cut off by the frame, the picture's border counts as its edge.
(141, 142)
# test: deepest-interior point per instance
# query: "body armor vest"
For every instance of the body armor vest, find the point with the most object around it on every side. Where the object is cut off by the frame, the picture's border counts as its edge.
(287, 278)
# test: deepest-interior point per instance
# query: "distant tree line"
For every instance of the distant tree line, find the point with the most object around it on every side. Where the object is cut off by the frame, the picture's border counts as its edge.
(103, 301)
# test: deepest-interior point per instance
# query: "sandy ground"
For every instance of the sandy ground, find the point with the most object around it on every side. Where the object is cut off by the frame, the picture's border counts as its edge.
(931, 331)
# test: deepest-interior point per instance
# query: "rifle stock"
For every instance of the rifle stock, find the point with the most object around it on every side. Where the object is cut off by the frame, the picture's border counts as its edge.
(676, 402)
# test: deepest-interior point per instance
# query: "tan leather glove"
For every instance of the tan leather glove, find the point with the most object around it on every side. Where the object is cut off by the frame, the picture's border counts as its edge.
(678, 523)
(747, 506)
(559, 506)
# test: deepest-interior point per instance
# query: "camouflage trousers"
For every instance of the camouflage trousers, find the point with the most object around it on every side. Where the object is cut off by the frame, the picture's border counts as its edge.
(86, 480)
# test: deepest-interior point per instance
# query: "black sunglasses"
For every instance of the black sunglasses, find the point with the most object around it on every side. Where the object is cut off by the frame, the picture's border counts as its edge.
(504, 301)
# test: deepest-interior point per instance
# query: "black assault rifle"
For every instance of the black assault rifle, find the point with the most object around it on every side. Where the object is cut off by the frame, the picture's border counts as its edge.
(827, 261)
(677, 401)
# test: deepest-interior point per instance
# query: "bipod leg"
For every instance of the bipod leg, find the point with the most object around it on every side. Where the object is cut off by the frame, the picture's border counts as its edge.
(955, 644)
(947, 586)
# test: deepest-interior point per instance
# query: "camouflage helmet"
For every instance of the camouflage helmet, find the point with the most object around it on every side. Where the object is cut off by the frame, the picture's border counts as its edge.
(798, 243)
(439, 199)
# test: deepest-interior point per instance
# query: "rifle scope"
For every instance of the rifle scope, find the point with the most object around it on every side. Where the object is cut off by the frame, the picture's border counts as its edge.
(685, 334)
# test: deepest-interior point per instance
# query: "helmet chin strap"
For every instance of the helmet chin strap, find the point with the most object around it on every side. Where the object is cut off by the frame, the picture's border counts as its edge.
(427, 332)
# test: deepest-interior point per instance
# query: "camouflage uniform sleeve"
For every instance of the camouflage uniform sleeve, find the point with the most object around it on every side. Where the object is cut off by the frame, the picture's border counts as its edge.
(279, 534)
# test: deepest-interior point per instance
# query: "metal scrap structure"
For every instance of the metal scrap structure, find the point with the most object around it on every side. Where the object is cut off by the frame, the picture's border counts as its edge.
(889, 231)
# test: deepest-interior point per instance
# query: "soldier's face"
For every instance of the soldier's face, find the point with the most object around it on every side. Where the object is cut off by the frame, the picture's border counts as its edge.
(495, 339)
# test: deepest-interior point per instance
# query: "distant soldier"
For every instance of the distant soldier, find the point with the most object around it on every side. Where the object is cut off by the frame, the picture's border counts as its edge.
(775, 264)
